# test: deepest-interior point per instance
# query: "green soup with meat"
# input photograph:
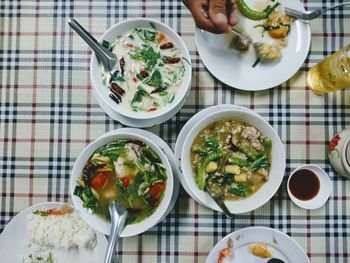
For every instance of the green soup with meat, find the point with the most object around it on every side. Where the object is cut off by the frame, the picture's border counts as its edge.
(231, 158)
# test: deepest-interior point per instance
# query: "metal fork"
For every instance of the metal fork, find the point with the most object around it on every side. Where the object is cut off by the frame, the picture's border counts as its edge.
(309, 15)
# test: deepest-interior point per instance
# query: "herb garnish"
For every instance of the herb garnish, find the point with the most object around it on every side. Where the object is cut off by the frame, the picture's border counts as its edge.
(147, 54)
(145, 35)
(41, 212)
(256, 62)
(155, 79)
(105, 43)
(269, 9)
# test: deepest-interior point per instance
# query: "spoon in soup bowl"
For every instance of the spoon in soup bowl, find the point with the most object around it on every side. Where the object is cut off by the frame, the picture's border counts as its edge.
(118, 216)
(218, 197)
(107, 58)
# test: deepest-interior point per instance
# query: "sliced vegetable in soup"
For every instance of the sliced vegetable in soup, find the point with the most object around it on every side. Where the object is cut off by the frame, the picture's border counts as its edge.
(149, 73)
(232, 158)
(128, 171)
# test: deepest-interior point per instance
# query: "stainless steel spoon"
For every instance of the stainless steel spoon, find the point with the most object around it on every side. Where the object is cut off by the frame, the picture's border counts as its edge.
(218, 198)
(118, 216)
(309, 15)
(107, 58)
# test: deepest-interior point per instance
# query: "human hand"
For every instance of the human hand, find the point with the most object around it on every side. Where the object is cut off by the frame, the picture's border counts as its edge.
(216, 16)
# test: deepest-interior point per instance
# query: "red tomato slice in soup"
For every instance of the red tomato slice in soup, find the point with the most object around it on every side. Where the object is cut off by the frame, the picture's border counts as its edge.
(100, 179)
(157, 189)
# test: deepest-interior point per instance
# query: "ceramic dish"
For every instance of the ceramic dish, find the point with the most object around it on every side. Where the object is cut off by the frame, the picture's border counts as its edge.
(182, 135)
(339, 153)
(324, 192)
(282, 246)
(128, 121)
(128, 117)
(236, 68)
(14, 248)
(277, 160)
(102, 225)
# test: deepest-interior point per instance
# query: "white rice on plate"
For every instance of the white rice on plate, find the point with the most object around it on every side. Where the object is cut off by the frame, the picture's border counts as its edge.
(42, 257)
(59, 231)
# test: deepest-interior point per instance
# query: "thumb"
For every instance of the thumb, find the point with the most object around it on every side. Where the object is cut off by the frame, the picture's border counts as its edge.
(218, 14)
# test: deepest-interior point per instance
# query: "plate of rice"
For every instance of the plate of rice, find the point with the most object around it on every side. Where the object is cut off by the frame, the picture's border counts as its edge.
(51, 232)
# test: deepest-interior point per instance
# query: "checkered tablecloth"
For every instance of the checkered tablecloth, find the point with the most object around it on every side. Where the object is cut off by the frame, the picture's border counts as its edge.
(48, 115)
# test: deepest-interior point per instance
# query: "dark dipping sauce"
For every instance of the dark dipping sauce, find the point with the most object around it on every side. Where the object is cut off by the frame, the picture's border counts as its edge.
(304, 184)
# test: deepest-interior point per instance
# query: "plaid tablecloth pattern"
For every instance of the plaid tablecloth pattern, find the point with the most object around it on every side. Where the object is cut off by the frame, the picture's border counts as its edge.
(48, 115)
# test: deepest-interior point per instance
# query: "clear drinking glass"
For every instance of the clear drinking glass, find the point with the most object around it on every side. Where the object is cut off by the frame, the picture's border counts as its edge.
(332, 73)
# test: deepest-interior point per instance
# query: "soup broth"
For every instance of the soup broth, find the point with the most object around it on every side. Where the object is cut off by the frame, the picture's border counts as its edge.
(127, 171)
(231, 158)
(149, 73)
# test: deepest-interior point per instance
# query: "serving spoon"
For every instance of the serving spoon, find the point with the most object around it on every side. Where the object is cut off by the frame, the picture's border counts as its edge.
(107, 58)
(118, 216)
(309, 15)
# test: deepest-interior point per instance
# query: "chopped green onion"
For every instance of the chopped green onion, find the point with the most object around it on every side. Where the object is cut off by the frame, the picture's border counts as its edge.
(41, 212)
(105, 43)
(152, 25)
(256, 63)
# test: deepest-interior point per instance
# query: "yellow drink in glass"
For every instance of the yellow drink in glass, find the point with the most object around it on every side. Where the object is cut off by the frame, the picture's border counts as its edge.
(332, 73)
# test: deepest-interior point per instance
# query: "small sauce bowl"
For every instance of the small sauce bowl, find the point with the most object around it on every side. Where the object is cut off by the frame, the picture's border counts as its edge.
(309, 186)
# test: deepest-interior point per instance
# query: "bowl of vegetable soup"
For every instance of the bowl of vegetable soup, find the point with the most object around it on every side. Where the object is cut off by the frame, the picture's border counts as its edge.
(152, 78)
(125, 166)
(236, 155)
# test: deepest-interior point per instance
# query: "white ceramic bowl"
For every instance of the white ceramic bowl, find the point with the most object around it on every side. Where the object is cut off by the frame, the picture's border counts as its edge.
(128, 117)
(95, 221)
(277, 164)
(324, 192)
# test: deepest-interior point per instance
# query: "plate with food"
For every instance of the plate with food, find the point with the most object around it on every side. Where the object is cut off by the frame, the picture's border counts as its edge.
(276, 48)
(152, 78)
(130, 167)
(257, 245)
(232, 153)
(51, 232)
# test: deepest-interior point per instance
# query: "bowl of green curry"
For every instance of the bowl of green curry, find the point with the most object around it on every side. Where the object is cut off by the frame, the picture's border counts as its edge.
(234, 154)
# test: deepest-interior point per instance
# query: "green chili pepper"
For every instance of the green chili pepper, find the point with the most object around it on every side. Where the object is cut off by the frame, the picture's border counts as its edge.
(201, 173)
(250, 13)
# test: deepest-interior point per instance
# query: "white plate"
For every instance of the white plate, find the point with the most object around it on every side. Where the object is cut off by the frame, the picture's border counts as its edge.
(181, 138)
(235, 69)
(128, 121)
(14, 248)
(282, 246)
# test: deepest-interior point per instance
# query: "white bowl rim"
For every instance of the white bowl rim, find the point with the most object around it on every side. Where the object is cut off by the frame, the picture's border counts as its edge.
(103, 226)
(189, 179)
(325, 187)
(180, 96)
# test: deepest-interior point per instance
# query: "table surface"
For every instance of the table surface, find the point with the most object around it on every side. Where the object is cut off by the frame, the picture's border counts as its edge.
(48, 115)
